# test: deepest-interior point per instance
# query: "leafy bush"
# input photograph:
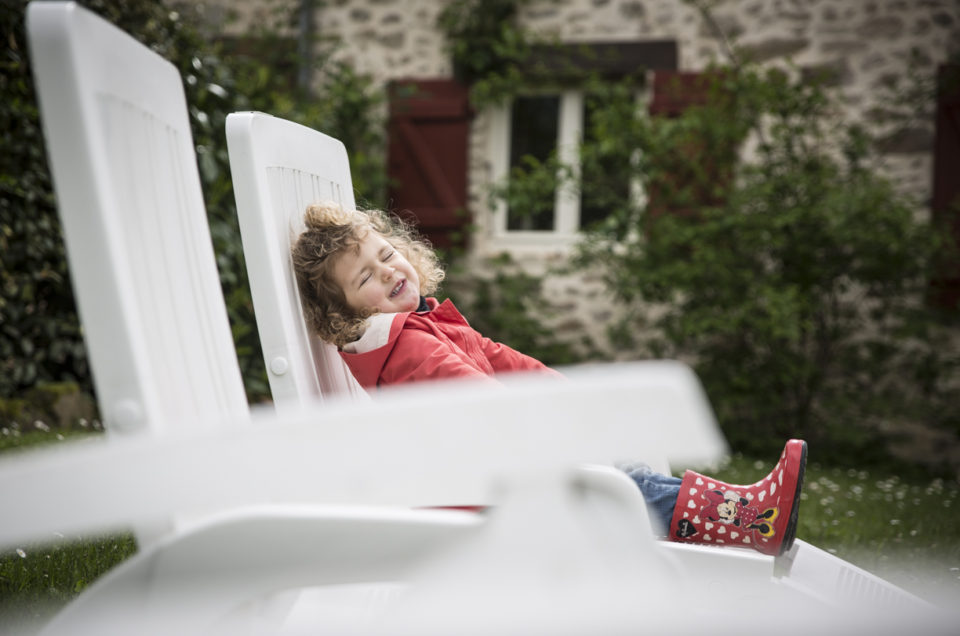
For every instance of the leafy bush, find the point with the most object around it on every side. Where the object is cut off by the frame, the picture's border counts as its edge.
(483, 37)
(792, 279)
(39, 332)
(794, 282)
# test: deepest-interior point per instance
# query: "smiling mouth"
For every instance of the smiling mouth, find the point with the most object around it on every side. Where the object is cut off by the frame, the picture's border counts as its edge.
(398, 288)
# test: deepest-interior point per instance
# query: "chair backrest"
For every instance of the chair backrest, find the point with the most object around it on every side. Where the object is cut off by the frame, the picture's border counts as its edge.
(118, 137)
(278, 169)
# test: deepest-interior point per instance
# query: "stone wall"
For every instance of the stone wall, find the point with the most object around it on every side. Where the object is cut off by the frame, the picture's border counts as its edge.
(388, 39)
(859, 45)
(239, 17)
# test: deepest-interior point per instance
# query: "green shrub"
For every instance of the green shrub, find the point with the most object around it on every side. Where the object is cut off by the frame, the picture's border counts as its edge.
(483, 37)
(794, 280)
(39, 332)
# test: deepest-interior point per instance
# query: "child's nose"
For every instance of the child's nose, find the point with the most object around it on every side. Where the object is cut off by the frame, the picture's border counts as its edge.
(386, 271)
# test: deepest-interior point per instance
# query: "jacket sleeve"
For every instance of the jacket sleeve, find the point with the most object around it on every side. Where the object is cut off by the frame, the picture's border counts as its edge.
(504, 359)
(419, 355)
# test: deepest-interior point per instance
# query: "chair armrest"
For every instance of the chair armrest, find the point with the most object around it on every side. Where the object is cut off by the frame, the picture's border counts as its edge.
(190, 581)
(389, 451)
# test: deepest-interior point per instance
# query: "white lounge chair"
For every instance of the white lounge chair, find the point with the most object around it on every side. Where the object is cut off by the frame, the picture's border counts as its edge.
(233, 509)
(279, 167)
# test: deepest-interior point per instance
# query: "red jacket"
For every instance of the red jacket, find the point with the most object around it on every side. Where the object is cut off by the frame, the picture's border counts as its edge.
(432, 345)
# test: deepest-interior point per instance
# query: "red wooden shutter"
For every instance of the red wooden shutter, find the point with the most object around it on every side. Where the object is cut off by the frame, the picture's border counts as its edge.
(673, 93)
(676, 91)
(428, 132)
(946, 185)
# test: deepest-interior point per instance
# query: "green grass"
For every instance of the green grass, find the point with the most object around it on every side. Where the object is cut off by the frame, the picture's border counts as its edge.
(905, 529)
(36, 580)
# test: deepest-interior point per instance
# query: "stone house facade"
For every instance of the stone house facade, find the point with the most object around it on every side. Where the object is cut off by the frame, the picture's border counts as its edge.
(859, 44)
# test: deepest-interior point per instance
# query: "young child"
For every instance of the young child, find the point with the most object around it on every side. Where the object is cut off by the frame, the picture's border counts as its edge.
(364, 281)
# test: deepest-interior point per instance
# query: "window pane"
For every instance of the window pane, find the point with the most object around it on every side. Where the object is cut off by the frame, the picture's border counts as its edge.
(603, 184)
(533, 132)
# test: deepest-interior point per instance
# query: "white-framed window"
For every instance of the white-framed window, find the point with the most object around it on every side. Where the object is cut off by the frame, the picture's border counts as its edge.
(537, 124)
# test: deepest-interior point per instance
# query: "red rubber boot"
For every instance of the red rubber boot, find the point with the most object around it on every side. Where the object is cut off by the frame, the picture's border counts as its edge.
(762, 516)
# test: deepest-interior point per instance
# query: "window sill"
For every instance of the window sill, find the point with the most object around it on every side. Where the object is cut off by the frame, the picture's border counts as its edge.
(528, 243)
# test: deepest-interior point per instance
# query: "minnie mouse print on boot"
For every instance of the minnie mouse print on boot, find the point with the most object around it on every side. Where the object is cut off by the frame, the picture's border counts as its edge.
(762, 516)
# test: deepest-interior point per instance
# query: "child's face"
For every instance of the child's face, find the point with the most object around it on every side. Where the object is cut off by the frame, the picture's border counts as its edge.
(377, 276)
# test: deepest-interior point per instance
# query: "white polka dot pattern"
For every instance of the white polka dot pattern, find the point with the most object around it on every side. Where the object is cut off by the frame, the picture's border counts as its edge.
(759, 516)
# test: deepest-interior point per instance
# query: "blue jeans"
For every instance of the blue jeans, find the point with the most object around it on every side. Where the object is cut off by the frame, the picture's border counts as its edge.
(659, 492)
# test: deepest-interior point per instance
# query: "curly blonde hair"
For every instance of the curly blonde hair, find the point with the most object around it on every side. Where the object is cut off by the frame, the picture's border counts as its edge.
(331, 230)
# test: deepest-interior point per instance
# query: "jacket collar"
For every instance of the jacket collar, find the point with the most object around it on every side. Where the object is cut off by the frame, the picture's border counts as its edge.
(366, 361)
